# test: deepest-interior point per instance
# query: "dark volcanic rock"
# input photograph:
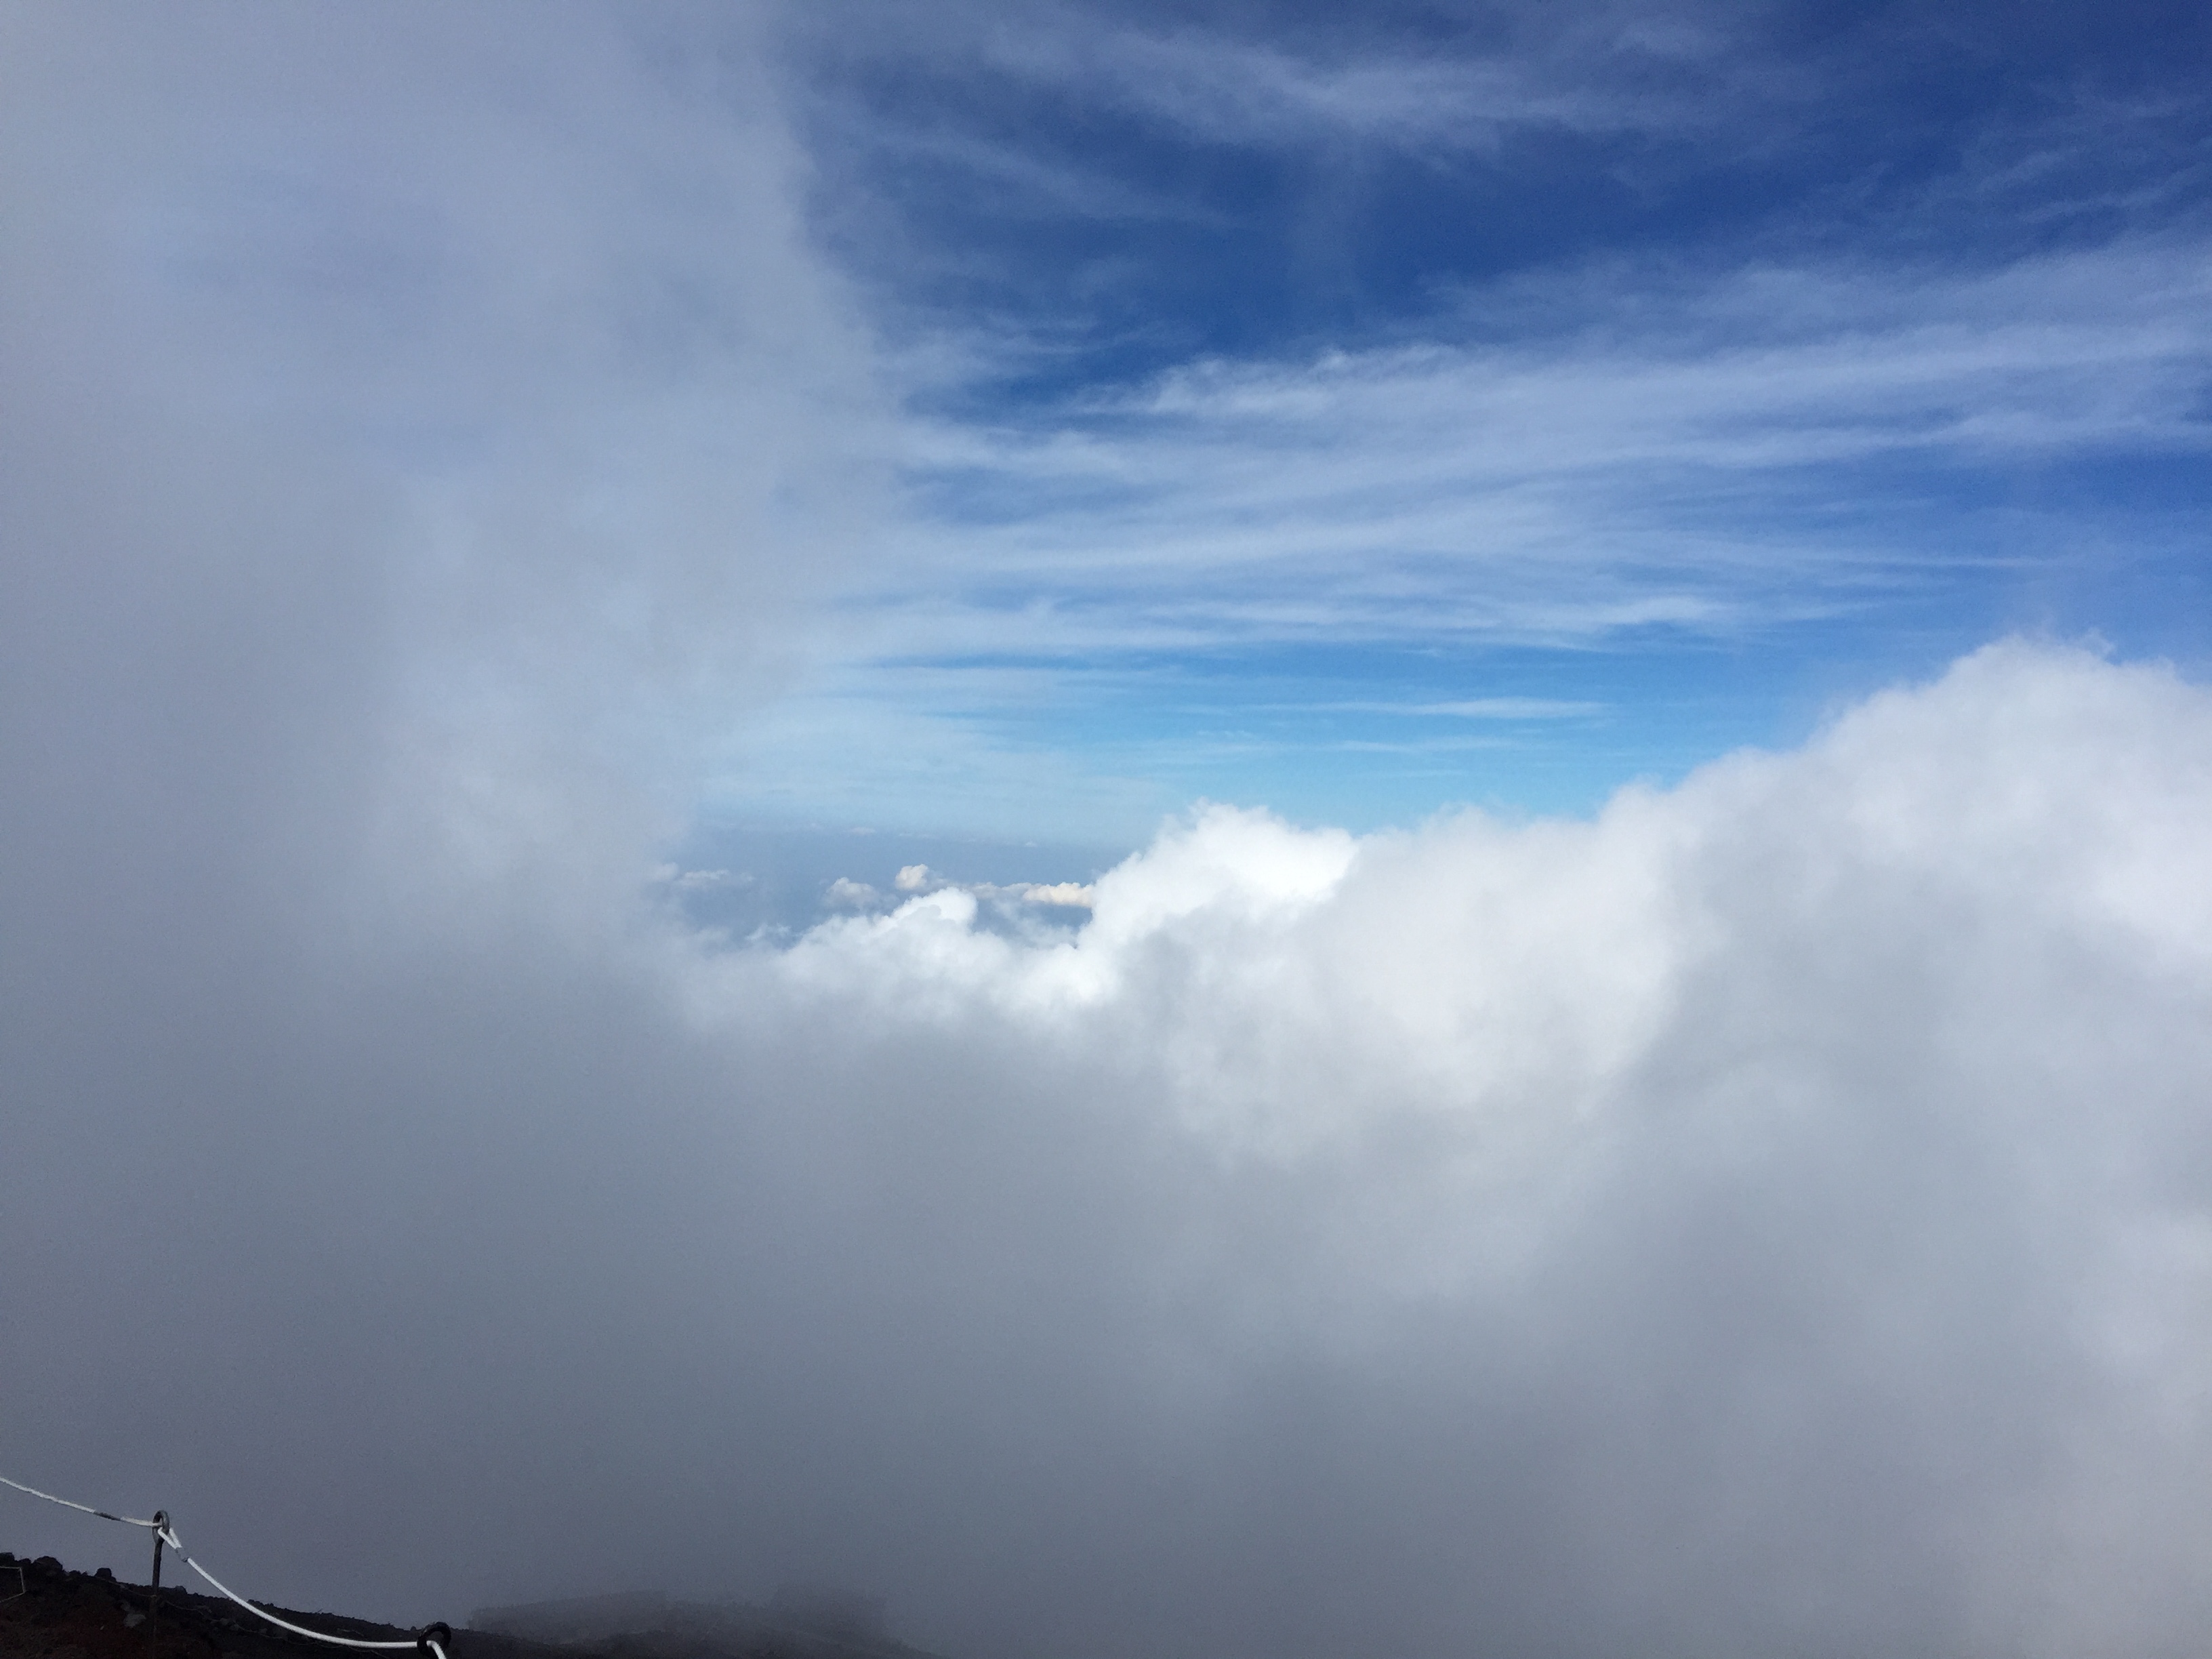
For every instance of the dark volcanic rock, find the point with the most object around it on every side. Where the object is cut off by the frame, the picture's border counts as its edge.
(60, 1614)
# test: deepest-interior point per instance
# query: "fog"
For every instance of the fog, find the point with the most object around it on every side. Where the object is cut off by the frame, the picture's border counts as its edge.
(1771, 1214)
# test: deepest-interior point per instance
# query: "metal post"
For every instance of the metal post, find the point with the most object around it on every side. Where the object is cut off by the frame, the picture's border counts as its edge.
(154, 1599)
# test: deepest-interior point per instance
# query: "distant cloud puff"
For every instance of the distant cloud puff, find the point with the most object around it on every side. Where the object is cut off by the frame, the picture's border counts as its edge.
(1071, 895)
(701, 881)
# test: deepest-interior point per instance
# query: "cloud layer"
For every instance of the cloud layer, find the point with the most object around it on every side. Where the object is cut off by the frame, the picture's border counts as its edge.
(1772, 1214)
(1769, 1214)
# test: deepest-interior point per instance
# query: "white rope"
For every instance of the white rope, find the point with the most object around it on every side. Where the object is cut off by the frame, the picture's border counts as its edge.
(168, 1535)
(85, 1508)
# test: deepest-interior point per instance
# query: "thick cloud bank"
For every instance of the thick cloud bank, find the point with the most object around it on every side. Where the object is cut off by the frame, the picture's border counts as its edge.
(1772, 1216)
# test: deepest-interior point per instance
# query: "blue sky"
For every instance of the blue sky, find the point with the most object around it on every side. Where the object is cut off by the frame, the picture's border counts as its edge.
(1360, 412)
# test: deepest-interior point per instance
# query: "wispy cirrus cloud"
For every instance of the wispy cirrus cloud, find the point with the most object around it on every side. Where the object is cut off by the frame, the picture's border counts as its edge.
(1628, 431)
(1420, 83)
(1473, 709)
(1454, 332)
(1216, 88)
(1597, 457)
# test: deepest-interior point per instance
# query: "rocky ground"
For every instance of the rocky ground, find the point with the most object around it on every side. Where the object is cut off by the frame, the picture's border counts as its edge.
(48, 1612)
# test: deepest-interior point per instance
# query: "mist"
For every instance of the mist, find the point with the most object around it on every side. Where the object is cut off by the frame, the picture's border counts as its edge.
(1768, 1213)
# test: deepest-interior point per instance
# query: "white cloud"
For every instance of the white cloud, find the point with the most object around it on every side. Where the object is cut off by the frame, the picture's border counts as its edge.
(1269, 90)
(483, 424)
(846, 893)
(1071, 895)
(1222, 90)
(1474, 708)
(2031, 792)
(701, 881)
(1799, 1177)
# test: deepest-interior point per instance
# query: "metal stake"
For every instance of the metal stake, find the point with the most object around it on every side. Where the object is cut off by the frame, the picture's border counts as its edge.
(154, 1599)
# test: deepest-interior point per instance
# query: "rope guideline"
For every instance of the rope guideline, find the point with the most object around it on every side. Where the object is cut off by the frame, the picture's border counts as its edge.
(164, 1532)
